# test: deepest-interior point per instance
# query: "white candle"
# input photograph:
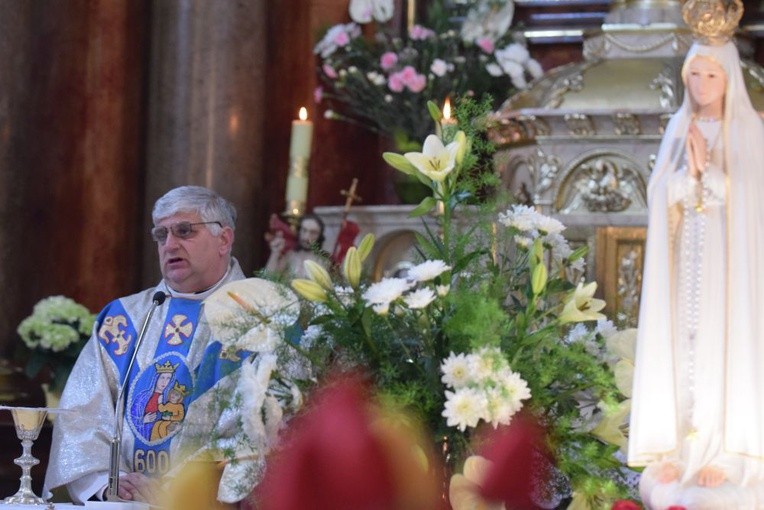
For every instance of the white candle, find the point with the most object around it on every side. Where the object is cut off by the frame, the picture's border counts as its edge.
(302, 135)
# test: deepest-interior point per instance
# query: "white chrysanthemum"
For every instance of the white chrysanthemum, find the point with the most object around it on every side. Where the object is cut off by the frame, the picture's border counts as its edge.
(427, 270)
(464, 408)
(481, 366)
(442, 290)
(521, 217)
(549, 225)
(381, 308)
(516, 389)
(606, 328)
(456, 371)
(523, 241)
(419, 298)
(386, 291)
(577, 333)
(500, 408)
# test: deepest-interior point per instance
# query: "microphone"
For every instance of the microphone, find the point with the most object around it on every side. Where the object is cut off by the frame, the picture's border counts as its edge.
(119, 408)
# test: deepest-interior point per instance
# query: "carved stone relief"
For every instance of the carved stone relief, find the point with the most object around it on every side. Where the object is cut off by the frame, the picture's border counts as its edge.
(626, 124)
(665, 81)
(580, 124)
(602, 182)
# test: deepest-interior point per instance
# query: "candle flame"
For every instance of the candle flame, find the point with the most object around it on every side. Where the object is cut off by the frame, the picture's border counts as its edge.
(303, 113)
(447, 109)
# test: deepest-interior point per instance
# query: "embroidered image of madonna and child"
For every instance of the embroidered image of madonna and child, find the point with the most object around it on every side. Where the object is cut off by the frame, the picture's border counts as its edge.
(157, 409)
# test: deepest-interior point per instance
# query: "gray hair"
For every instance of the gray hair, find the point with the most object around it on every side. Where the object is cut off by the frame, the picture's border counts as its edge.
(196, 199)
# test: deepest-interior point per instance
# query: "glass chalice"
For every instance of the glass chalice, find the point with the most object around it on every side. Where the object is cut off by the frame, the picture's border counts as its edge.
(28, 422)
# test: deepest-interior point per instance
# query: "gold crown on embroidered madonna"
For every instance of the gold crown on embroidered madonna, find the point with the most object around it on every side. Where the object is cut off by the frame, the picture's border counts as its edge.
(167, 368)
(712, 21)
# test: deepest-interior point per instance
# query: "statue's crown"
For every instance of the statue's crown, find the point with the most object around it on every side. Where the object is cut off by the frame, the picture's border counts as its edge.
(167, 368)
(712, 21)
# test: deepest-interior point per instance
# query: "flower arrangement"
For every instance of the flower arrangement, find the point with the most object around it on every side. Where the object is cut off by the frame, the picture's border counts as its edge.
(53, 337)
(380, 81)
(489, 324)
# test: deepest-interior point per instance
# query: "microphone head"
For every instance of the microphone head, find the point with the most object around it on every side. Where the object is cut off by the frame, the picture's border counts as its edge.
(159, 297)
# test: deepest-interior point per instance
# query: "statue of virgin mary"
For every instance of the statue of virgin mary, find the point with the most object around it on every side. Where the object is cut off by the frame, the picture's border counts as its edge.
(697, 420)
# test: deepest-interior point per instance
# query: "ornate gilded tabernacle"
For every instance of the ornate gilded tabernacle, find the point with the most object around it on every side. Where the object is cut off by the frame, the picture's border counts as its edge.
(580, 143)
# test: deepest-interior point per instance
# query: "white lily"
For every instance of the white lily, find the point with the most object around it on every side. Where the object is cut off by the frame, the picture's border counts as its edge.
(435, 161)
(581, 305)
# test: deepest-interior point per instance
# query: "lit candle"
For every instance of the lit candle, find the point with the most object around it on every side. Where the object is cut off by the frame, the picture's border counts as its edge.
(299, 154)
(447, 120)
(302, 135)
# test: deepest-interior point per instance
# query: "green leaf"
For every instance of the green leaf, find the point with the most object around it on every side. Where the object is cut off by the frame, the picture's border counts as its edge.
(423, 208)
(578, 253)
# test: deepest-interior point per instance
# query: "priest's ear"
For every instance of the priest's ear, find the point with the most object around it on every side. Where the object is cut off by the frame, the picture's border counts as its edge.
(226, 240)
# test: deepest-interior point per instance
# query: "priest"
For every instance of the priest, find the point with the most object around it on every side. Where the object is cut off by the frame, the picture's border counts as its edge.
(194, 232)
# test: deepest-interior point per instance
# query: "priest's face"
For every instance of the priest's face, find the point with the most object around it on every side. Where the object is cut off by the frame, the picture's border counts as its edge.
(192, 260)
(707, 82)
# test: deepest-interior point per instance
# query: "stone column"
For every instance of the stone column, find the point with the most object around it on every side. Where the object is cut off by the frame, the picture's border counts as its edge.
(206, 110)
(70, 97)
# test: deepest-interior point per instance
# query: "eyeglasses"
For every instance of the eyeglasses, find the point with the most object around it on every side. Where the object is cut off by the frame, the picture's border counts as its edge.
(181, 230)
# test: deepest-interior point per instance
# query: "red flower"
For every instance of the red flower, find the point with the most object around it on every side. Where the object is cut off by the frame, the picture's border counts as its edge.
(338, 456)
(625, 504)
(519, 455)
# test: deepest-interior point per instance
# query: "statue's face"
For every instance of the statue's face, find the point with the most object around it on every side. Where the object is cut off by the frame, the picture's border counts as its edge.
(706, 82)
(309, 233)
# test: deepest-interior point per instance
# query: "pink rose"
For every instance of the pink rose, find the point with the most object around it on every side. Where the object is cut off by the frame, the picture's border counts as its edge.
(329, 71)
(417, 83)
(341, 39)
(407, 74)
(318, 94)
(395, 82)
(486, 45)
(388, 60)
(420, 33)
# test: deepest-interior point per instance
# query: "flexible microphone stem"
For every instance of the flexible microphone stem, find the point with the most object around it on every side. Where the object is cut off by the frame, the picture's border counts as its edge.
(119, 408)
